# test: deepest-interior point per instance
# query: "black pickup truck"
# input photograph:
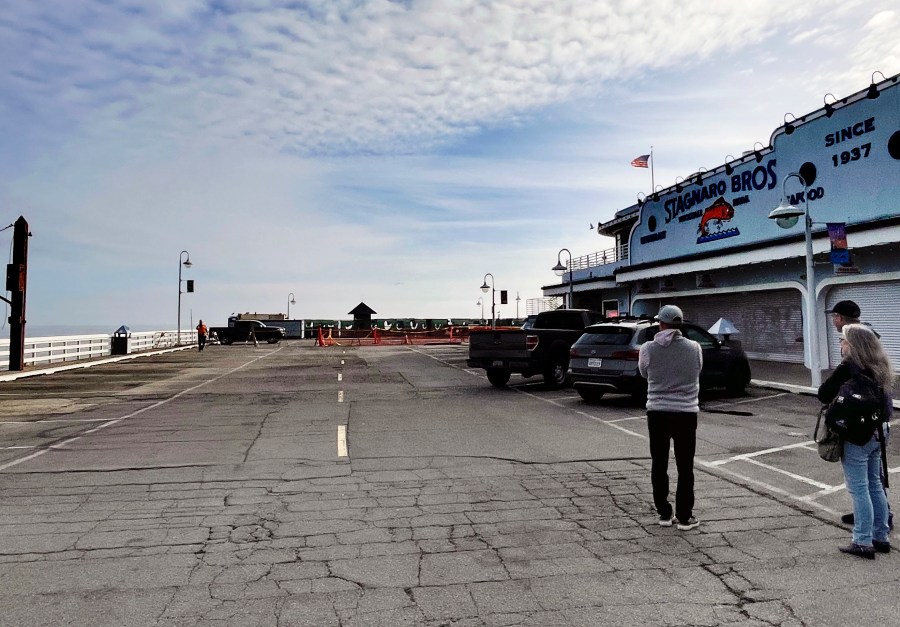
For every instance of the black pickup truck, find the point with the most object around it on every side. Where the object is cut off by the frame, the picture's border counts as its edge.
(542, 349)
(238, 330)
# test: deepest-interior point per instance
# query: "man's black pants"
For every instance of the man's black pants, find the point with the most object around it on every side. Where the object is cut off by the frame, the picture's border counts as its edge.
(680, 428)
(201, 340)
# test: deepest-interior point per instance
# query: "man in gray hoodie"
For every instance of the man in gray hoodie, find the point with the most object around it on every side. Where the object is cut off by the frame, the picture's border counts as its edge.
(671, 363)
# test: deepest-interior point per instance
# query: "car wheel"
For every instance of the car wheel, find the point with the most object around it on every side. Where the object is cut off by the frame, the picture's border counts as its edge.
(738, 379)
(272, 340)
(590, 396)
(226, 341)
(498, 377)
(557, 375)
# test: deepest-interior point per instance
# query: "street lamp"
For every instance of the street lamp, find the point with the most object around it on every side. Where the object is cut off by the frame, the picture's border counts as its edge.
(481, 302)
(291, 301)
(186, 262)
(517, 305)
(786, 216)
(485, 288)
(560, 270)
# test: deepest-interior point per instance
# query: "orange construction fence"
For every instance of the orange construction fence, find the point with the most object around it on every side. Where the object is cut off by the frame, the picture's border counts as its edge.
(390, 337)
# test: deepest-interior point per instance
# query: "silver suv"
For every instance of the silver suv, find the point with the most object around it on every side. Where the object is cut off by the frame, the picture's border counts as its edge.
(605, 359)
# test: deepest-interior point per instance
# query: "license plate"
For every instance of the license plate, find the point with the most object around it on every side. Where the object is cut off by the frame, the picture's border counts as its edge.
(498, 363)
(594, 362)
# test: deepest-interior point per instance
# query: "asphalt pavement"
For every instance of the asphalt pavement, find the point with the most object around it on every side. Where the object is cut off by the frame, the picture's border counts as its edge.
(394, 486)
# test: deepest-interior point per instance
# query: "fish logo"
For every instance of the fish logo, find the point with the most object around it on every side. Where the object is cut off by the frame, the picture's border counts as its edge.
(718, 213)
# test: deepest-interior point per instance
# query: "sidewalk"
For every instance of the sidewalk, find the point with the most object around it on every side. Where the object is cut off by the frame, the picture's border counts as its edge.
(794, 378)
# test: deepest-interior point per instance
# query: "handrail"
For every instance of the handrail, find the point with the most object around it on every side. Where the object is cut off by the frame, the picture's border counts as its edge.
(601, 258)
(62, 348)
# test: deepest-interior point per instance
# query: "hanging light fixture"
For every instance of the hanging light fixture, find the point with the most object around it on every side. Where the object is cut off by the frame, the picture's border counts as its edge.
(873, 92)
(729, 170)
(788, 126)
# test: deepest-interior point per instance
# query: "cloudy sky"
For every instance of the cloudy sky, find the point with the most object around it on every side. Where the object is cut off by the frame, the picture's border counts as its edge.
(391, 152)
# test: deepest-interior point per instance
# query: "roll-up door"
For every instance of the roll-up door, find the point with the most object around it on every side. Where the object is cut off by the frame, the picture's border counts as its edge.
(770, 322)
(877, 301)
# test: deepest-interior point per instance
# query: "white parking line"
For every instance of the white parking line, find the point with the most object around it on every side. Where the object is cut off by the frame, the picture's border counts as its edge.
(36, 422)
(40, 452)
(340, 376)
(767, 451)
(340, 396)
(787, 473)
(342, 441)
(746, 400)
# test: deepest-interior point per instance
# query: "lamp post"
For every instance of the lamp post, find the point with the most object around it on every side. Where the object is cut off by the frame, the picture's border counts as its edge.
(560, 270)
(485, 288)
(786, 216)
(186, 262)
(517, 305)
(481, 302)
(291, 301)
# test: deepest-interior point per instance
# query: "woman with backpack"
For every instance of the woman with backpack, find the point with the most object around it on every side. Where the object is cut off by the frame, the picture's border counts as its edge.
(865, 363)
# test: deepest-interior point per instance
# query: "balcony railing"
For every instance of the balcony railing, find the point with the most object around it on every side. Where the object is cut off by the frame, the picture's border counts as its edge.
(600, 258)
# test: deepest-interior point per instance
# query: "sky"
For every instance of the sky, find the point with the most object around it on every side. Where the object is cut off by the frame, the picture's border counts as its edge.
(385, 151)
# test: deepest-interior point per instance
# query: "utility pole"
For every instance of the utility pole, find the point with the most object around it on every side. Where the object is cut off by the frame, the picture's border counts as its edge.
(16, 282)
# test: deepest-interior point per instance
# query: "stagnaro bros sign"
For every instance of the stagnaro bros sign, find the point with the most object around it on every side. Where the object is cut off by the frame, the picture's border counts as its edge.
(848, 156)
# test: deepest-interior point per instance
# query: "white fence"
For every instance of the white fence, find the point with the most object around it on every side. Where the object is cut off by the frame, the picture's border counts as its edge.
(41, 351)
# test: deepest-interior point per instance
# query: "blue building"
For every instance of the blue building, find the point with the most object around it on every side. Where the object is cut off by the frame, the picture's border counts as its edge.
(708, 243)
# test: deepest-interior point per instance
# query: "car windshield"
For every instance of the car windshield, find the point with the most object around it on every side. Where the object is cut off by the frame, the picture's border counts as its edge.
(608, 336)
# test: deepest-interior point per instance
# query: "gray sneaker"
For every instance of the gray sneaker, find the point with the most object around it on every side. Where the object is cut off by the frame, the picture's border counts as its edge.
(690, 523)
(666, 521)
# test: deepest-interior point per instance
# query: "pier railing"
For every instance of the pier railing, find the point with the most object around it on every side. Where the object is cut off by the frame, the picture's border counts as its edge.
(41, 351)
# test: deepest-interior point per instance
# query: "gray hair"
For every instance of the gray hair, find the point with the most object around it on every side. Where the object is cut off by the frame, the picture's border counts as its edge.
(865, 350)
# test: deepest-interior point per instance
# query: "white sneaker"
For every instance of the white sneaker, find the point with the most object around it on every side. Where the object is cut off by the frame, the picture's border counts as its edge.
(666, 522)
(690, 523)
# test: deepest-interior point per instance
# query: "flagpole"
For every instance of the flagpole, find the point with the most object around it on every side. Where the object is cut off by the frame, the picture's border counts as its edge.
(652, 181)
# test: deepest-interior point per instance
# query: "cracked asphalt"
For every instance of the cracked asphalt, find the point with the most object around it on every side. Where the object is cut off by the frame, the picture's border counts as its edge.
(207, 489)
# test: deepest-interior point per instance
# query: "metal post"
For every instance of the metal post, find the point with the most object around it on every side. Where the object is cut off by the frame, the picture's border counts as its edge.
(812, 332)
(186, 263)
(484, 288)
(18, 282)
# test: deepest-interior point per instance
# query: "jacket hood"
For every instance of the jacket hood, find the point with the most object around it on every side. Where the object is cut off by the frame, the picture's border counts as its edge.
(664, 338)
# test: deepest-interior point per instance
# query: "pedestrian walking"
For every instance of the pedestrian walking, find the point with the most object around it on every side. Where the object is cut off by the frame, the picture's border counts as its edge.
(862, 463)
(202, 333)
(843, 313)
(671, 363)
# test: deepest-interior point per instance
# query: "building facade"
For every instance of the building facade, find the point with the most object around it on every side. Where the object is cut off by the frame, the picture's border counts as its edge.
(708, 243)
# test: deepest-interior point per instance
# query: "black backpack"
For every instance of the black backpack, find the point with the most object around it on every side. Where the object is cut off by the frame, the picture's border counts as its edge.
(856, 412)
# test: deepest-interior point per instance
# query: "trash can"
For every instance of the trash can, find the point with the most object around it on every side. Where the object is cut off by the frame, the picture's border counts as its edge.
(121, 341)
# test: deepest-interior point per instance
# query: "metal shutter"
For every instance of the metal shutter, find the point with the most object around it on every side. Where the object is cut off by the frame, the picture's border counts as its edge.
(770, 322)
(877, 301)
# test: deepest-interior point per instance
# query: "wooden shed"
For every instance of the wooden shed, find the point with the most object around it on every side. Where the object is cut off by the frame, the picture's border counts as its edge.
(362, 316)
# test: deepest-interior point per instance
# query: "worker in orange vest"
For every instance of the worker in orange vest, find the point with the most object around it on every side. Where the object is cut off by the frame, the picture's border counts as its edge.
(201, 335)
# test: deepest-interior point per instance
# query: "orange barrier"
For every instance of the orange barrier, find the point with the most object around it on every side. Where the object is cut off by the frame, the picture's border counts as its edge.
(387, 337)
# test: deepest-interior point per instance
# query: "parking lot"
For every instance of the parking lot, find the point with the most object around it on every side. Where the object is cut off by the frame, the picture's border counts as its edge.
(392, 486)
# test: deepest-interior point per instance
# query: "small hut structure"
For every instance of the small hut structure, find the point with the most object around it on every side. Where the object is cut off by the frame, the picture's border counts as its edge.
(362, 316)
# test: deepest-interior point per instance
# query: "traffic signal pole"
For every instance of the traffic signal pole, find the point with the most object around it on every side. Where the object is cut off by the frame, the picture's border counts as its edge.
(16, 282)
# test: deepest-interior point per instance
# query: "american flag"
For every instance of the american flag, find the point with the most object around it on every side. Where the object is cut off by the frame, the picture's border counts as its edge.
(640, 162)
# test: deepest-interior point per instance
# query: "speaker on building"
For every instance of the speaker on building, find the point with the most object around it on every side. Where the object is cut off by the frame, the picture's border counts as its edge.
(190, 285)
(503, 299)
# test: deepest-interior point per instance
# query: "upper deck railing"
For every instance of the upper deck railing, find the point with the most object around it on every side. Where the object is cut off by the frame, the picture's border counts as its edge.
(600, 258)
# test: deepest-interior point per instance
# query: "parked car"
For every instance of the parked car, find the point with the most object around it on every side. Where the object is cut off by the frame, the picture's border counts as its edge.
(605, 359)
(541, 349)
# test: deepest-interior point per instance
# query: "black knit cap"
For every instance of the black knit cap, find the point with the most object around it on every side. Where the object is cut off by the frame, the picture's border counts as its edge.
(846, 308)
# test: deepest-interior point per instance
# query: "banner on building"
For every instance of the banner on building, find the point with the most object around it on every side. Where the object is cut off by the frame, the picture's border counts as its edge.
(840, 253)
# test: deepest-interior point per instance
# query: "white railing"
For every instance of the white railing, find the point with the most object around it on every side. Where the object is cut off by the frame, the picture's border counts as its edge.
(62, 348)
(600, 258)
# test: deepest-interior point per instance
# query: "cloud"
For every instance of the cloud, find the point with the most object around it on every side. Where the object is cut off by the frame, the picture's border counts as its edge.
(340, 77)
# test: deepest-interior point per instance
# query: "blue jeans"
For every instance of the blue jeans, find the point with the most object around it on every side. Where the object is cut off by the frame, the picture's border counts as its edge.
(862, 472)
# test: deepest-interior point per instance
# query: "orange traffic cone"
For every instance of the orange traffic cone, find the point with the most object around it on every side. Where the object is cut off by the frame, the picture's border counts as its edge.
(320, 340)
(376, 336)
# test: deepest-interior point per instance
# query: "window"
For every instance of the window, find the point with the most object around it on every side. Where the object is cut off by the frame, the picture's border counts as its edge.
(693, 333)
(607, 336)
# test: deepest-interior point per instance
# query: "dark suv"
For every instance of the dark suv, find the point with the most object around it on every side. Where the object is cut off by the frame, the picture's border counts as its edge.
(605, 359)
